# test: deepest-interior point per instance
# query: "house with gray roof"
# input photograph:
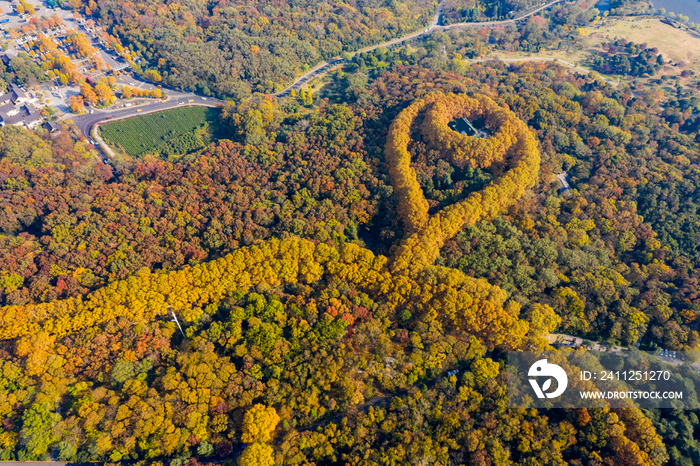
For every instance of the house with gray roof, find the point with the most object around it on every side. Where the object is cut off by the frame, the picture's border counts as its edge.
(15, 109)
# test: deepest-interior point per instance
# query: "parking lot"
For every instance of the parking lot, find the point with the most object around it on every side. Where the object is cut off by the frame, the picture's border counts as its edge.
(14, 32)
(18, 38)
(84, 26)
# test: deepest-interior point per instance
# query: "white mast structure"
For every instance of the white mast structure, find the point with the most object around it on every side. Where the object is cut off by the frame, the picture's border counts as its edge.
(176, 321)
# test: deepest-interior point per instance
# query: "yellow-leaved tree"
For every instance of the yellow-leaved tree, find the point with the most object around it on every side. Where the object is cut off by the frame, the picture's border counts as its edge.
(257, 454)
(259, 422)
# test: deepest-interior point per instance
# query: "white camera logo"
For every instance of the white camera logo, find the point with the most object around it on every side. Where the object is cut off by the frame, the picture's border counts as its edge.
(543, 369)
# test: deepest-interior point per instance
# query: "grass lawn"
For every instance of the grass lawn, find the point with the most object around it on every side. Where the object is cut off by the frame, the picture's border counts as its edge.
(170, 132)
(673, 43)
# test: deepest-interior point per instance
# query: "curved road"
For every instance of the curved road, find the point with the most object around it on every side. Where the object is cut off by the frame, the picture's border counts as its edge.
(86, 121)
(324, 67)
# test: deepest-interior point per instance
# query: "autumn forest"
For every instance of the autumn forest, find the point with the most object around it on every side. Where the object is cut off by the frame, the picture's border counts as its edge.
(346, 271)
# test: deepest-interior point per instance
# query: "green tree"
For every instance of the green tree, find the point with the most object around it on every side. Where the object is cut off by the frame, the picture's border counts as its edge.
(37, 429)
(123, 371)
(153, 75)
(205, 449)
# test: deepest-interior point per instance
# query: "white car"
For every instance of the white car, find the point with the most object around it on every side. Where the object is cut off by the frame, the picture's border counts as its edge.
(204, 98)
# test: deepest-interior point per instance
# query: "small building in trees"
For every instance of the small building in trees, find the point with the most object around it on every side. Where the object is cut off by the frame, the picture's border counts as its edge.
(564, 185)
(52, 127)
(464, 126)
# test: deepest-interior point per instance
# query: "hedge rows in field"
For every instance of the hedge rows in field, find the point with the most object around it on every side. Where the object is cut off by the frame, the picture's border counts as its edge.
(184, 144)
(169, 132)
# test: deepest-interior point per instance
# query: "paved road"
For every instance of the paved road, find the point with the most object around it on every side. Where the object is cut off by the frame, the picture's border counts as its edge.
(86, 121)
(497, 23)
(324, 67)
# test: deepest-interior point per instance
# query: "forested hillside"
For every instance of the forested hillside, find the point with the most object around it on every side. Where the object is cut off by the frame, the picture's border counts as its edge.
(331, 262)
(229, 48)
(479, 10)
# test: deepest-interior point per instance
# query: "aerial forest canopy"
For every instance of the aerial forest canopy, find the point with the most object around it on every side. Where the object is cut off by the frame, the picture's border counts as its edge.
(330, 265)
(431, 293)
(408, 280)
(229, 48)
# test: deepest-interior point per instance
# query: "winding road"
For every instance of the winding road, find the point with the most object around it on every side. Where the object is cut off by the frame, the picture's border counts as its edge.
(86, 121)
(327, 66)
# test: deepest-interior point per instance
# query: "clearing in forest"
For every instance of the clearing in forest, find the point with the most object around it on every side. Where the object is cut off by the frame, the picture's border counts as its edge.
(170, 132)
(676, 44)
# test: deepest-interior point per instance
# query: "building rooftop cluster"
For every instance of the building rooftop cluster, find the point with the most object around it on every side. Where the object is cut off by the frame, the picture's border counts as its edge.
(15, 109)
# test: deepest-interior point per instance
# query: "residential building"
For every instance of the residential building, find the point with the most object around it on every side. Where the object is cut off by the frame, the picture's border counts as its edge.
(53, 127)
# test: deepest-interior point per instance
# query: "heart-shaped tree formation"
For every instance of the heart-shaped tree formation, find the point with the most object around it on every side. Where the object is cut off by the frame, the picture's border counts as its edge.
(409, 281)
(461, 149)
(511, 144)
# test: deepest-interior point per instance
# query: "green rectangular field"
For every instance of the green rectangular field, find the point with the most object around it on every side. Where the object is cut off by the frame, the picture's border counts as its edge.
(170, 132)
